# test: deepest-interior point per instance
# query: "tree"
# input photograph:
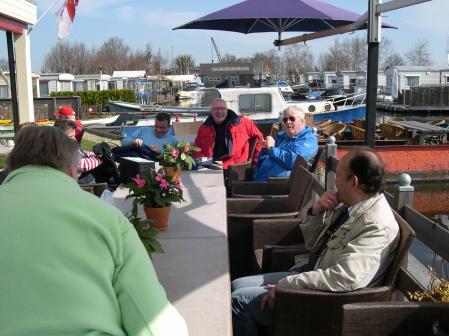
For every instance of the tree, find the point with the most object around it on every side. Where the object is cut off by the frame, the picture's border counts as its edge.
(298, 59)
(335, 59)
(159, 64)
(228, 58)
(393, 60)
(419, 54)
(112, 55)
(355, 53)
(184, 63)
(66, 57)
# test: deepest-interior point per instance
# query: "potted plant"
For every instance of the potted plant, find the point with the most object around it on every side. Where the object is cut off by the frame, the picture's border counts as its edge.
(175, 158)
(437, 290)
(156, 192)
(148, 234)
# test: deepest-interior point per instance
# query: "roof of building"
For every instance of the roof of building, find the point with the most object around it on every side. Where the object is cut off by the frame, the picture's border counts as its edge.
(418, 68)
(129, 74)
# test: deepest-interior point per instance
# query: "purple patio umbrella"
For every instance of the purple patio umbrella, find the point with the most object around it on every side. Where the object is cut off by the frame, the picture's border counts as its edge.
(261, 16)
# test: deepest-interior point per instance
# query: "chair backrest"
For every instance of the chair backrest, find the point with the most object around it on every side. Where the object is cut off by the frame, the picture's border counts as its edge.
(300, 189)
(274, 131)
(252, 147)
(406, 235)
(316, 159)
(265, 128)
(96, 188)
(394, 318)
(299, 162)
(186, 127)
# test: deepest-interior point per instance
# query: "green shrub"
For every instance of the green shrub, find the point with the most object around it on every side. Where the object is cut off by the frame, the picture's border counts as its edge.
(99, 97)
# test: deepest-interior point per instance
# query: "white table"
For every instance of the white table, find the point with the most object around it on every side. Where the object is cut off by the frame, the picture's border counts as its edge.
(194, 269)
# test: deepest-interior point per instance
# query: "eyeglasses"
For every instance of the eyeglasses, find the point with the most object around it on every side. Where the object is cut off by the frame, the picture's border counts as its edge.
(292, 119)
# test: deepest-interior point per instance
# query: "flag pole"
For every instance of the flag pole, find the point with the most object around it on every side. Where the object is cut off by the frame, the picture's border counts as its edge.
(42, 16)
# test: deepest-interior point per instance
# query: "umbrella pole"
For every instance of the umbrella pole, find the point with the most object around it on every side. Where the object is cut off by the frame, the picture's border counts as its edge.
(279, 38)
(374, 24)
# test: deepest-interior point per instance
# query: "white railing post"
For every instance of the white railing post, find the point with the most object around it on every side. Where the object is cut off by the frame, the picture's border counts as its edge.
(403, 193)
(331, 150)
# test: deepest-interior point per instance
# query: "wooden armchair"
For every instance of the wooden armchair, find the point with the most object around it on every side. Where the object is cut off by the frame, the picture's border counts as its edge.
(276, 246)
(312, 312)
(268, 189)
(242, 212)
(394, 318)
(276, 186)
(243, 171)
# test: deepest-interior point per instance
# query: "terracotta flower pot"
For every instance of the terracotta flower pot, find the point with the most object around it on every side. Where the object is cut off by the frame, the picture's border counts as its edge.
(159, 216)
(173, 172)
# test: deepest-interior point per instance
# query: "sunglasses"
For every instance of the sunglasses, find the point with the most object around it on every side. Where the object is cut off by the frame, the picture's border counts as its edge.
(292, 119)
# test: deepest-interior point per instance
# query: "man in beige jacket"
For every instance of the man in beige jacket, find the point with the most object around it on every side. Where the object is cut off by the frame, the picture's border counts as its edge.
(351, 235)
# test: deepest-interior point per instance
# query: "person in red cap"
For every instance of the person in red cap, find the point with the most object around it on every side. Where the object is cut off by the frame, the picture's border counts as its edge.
(67, 113)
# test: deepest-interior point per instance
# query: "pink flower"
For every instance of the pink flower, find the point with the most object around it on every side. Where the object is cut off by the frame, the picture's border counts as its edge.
(139, 181)
(174, 153)
(164, 184)
(159, 177)
(178, 185)
(186, 149)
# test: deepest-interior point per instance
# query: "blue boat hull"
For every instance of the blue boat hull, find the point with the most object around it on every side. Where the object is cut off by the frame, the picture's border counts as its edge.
(344, 115)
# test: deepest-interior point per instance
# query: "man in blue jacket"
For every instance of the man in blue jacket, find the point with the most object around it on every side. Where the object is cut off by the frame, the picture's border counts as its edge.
(278, 156)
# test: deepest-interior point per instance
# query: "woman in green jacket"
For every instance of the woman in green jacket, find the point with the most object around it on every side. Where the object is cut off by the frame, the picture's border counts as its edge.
(71, 264)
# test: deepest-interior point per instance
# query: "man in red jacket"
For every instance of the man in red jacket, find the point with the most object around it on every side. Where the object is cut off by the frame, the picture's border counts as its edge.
(67, 113)
(224, 136)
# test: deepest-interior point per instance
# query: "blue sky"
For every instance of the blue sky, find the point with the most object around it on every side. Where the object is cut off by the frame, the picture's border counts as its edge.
(140, 21)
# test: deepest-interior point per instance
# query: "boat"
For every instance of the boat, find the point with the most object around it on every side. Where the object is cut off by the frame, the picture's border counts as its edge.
(284, 87)
(263, 103)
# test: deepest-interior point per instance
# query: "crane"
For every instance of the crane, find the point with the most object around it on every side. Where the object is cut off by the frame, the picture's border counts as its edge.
(216, 50)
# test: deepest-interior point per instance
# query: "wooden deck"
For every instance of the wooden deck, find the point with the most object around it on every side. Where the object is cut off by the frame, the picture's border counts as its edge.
(417, 131)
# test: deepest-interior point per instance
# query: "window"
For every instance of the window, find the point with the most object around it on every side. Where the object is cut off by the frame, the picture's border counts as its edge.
(253, 103)
(43, 89)
(412, 80)
(66, 86)
(447, 79)
(112, 85)
(4, 91)
(79, 86)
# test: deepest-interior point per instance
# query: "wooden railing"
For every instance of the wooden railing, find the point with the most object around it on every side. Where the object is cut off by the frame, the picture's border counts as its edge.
(434, 236)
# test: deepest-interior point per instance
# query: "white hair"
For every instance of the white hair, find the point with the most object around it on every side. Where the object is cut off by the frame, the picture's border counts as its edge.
(297, 110)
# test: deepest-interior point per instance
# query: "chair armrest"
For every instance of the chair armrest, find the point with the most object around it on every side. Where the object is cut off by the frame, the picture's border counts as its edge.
(313, 312)
(240, 172)
(260, 188)
(241, 206)
(280, 258)
(278, 178)
(282, 232)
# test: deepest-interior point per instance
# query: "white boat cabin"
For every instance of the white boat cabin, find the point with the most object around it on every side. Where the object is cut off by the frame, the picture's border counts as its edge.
(266, 102)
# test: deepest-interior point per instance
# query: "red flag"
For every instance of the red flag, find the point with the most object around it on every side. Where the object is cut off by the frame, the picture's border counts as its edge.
(66, 15)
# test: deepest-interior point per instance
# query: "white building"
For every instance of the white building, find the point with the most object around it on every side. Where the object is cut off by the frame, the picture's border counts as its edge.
(92, 82)
(405, 77)
(15, 17)
(55, 82)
